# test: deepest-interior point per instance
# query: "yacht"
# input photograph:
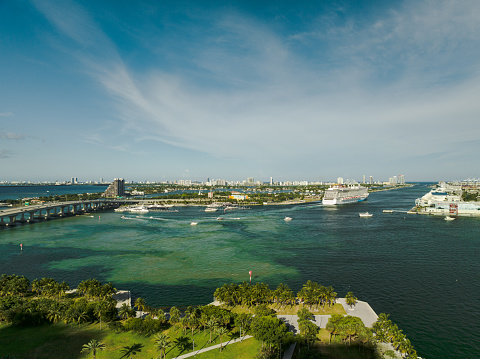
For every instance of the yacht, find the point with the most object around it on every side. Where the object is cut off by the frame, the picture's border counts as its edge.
(365, 215)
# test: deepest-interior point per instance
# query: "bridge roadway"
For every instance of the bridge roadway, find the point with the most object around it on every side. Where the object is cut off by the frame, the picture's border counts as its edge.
(46, 211)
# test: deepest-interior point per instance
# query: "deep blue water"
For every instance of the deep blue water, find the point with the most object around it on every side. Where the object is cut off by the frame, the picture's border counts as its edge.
(422, 270)
(17, 192)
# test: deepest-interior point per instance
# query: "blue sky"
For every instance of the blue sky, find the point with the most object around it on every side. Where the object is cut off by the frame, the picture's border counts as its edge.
(164, 90)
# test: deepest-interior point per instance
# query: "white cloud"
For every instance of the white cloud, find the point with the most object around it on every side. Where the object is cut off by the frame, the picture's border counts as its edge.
(405, 84)
(12, 136)
(6, 114)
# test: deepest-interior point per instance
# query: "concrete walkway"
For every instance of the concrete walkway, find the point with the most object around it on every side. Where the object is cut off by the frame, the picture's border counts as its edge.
(289, 352)
(217, 346)
(361, 310)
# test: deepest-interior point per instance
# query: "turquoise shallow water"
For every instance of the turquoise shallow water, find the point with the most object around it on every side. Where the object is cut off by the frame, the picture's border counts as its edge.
(422, 270)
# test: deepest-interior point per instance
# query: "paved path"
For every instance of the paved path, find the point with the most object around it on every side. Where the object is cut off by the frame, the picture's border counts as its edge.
(217, 346)
(361, 310)
(287, 354)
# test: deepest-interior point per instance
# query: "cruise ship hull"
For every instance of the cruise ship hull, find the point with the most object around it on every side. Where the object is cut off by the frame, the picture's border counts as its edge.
(335, 201)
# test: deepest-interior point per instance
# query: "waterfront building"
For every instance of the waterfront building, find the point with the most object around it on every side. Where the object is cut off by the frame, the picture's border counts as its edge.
(116, 189)
(371, 179)
(340, 180)
(447, 199)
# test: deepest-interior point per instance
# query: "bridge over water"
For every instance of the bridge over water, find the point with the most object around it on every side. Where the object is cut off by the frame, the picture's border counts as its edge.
(46, 211)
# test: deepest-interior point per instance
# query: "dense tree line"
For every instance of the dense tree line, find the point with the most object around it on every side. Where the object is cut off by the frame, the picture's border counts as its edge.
(312, 295)
(387, 332)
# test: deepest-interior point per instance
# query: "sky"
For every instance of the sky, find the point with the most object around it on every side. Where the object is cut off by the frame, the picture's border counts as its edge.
(169, 90)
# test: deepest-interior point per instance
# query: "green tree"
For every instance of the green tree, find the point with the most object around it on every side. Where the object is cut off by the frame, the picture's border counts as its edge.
(304, 314)
(92, 346)
(350, 299)
(221, 331)
(162, 342)
(140, 304)
(308, 330)
(174, 316)
(332, 325)
(212, 324)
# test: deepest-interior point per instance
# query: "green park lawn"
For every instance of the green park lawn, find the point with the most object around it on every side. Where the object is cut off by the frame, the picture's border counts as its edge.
(66, 341)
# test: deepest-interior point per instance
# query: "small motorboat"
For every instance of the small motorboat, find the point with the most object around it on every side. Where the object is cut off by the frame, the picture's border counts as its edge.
(287, 219)
(448, 218)
(219, 218)
(193, 223)
(365, 215)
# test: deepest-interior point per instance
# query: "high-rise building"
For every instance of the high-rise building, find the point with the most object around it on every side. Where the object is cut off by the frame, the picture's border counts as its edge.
(401, 179)
(340, 180)
(371, 179)
(250, 181)
(116, 189)
(363, 180)
(271, 181)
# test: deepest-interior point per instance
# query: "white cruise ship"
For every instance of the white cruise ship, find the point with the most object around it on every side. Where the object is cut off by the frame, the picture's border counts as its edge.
(339, 194)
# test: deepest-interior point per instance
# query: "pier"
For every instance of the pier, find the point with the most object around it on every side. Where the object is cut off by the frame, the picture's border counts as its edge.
(30, 214)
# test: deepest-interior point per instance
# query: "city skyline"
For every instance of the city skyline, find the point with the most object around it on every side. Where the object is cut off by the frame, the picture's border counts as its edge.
(237, 89)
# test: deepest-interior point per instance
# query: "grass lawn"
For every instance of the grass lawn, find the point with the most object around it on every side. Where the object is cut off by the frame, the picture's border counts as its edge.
(65, 341)
(334, 309)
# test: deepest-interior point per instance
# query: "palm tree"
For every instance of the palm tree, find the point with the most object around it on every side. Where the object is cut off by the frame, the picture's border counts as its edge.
(174, 316)
(100, 309)
(53, 315)
(140, 304)
(81, 317)
(125, 311)
(221, 331)
(184, 323)
(92, 346)
(163, 342)
(211, 324)
(160, 314)
(350, 299)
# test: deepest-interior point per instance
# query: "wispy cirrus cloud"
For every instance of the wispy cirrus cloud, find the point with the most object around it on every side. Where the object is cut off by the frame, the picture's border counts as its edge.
(12, 136)
(395, 85)
(6, 114)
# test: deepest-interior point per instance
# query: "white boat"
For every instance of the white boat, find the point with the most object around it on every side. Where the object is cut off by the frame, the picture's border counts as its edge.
(219, 218)
(287, 219)
(448, 218)
(193, 223)
(339, 194)
(388, 211)
(139, 209)
(211, 208)
(365, 215)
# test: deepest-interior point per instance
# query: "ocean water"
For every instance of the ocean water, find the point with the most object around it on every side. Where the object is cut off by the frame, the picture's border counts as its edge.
(422, 270)
(17, 192)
